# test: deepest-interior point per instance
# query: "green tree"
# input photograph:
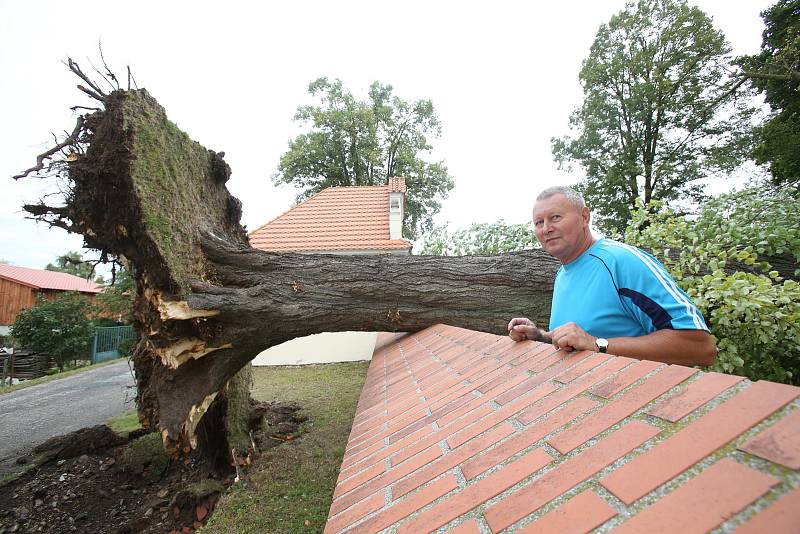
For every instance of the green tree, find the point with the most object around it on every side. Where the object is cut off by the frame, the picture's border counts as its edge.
(73, 263)
(776, 72)
(117, 299)
(755, 315)
(660, 111)
(59, 328)
(479, 238)
(364, 142)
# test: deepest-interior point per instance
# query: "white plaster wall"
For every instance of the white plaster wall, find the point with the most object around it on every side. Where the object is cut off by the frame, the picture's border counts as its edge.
(327, 347)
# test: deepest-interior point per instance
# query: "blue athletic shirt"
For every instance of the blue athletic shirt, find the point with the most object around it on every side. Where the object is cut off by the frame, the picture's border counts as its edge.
(616, 290)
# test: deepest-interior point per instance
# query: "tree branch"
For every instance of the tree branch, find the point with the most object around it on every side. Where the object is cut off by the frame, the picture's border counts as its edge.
(72, 139)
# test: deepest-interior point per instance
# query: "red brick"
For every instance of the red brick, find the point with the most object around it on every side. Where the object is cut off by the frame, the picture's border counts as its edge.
(567, 475)
(781, 516)
(358, 479)
(521, 349)
(477, 493)
(445, 463)
(701, 438)
(501, 415)
(571, 390)
(410, 447)
(406, 507)
(620, 381)
(693, 396)
(380, 454)
(535, 354)
(704, 502)
(620, 408)
(484, 400)
(516, 391)
(380, 482)
(780, 443)
(355, 457)
(583, 367)
(467, 527)
(528, 437)
(560, 359)
(582, 513)
(354, 513)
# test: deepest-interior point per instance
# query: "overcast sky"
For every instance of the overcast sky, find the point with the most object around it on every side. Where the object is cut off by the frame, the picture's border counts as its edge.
(503, 77)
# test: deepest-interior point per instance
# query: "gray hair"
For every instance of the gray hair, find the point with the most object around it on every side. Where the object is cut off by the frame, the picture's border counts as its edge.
(572, 196)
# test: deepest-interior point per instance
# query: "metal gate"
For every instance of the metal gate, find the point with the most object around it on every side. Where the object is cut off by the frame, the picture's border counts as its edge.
(107, 340)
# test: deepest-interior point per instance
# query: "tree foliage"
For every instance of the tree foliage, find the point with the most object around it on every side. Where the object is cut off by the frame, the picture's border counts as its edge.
(660, 111)
(776, 72)
(73, 263)
(59, 328)
(364, 142)
(479, 238)
(117, 299)
(755, 316)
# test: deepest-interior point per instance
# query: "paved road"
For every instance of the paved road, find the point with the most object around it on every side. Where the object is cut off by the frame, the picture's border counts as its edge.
(32, 415)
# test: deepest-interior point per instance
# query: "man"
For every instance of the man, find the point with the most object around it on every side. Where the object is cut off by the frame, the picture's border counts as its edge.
(611, 297)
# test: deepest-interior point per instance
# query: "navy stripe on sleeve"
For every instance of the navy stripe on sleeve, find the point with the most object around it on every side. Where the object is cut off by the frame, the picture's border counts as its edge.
(658, 315)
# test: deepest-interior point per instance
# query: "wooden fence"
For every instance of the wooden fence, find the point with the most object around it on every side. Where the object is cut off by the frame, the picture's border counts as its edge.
(22, 365)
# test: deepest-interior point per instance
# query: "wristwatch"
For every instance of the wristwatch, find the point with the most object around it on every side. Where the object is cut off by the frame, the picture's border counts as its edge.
(602, 344)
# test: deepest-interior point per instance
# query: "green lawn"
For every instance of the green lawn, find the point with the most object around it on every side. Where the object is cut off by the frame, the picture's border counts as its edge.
(49, 378)
(125, 422)
(289, 488)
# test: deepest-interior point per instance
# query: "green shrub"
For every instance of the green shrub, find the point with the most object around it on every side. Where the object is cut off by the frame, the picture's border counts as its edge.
(58, 328)
(755, 316)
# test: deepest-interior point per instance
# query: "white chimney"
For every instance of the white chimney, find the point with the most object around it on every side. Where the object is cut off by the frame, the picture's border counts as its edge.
(397, 190)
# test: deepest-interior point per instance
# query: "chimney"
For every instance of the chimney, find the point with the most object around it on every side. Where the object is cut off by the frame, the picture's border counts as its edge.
(397, 195)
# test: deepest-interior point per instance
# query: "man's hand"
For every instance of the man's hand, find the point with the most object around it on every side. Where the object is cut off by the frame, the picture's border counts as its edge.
(571, 337)
(521, 328)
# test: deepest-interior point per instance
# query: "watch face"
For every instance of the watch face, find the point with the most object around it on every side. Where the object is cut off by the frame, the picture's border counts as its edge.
(602, 344)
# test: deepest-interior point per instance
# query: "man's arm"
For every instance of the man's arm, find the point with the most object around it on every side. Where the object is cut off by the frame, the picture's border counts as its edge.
(684, 347)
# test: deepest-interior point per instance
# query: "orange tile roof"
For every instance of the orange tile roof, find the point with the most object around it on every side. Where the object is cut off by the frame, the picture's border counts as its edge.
(335, 219)
(475, 433)
(41, 279)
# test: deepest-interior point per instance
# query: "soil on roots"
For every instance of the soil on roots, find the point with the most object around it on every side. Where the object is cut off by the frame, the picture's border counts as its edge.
(83, 483)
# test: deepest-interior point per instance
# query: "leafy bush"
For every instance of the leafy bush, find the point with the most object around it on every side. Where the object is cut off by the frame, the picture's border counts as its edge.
(125, 347)
(755, 316)
(479, 238)
(59, 328)
(117, 300)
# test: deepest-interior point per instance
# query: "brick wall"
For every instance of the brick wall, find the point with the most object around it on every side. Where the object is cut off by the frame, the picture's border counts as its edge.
(469, 432)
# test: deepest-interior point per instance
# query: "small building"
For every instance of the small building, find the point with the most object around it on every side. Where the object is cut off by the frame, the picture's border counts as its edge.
(337, 220)
(341, 220)
(21, 286)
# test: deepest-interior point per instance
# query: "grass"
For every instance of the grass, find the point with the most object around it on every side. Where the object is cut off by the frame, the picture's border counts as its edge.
(289, 488)
(124, 423)
(56, 376)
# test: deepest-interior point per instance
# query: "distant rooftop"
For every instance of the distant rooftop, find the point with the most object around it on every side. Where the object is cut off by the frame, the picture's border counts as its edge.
(335, 219)
(473, 433)
(41, 279)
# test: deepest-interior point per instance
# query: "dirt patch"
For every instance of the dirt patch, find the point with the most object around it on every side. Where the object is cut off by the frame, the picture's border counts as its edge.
(94, 481)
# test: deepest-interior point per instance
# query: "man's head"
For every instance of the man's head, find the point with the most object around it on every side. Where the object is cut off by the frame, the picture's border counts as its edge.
(561, 223)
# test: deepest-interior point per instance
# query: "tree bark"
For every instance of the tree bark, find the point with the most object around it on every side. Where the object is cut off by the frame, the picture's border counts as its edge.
(207, 303)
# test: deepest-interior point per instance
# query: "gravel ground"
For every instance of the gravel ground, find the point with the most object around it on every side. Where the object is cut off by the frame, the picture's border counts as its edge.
(32, 415)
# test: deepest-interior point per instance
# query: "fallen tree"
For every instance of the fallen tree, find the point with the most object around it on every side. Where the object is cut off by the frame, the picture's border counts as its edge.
(207, 303)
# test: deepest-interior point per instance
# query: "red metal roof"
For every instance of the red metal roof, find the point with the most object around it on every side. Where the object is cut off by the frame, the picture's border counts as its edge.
(335, 219)
(472, 432)
(41, 279)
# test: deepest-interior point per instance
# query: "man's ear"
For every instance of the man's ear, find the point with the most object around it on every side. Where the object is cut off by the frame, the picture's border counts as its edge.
(586, 215)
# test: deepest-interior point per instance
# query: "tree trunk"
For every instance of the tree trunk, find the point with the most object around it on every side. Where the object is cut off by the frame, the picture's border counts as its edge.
(207, 303)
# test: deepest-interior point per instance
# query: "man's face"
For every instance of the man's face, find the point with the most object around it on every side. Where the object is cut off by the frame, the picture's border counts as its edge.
(561, 228)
